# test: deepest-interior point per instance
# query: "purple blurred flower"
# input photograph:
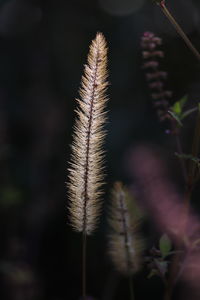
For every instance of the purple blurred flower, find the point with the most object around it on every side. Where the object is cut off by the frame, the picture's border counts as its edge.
(151, 55)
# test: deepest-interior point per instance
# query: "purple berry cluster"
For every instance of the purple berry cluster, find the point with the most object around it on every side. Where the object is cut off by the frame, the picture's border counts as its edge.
(155, 77)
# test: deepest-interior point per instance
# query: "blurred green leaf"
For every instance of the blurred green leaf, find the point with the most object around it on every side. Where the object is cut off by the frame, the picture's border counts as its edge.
(177, 108)
(177, 113)
(165, 245)
(152, 273)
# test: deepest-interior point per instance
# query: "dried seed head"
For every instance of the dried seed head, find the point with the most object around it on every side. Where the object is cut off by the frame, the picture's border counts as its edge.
(86, 165)
(125, 244)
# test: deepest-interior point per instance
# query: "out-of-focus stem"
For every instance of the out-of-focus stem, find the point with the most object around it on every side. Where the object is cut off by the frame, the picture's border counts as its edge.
(182, 162)
(179, 29)
(195, 148)
(84, 266)
(131, 288)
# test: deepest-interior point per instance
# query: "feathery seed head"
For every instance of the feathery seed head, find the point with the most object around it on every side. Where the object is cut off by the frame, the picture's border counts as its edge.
(125, 245)
(86, 165)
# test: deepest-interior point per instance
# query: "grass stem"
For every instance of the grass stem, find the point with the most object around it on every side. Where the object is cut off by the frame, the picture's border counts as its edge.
(84, 265)
(131, 288)
(182, 162)
(179, 29)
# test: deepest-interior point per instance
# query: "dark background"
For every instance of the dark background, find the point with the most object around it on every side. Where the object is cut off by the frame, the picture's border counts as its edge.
(43, 47)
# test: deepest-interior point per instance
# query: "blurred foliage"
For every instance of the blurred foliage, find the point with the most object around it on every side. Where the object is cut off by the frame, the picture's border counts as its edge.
(165, 245)
(10, 197)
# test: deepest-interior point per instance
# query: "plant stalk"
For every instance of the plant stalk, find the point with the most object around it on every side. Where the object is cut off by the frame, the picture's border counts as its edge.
(84, 265)
(195, 148)
(179, 29)
(131, 288)
(182, 162)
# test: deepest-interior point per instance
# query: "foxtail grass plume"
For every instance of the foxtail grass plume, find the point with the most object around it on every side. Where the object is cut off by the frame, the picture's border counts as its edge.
(125, 244)
(86, 166)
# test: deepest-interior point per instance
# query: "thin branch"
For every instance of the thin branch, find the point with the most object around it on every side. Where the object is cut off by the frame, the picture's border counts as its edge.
(178, 28)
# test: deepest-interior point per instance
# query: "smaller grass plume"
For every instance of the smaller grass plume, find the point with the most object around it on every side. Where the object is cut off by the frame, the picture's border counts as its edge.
(125, 242)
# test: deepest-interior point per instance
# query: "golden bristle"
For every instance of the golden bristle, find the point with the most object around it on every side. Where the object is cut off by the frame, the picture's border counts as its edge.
(125, 245)
(86, 165)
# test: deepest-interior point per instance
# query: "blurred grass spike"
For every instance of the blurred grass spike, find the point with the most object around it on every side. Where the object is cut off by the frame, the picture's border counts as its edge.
(125, 243)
